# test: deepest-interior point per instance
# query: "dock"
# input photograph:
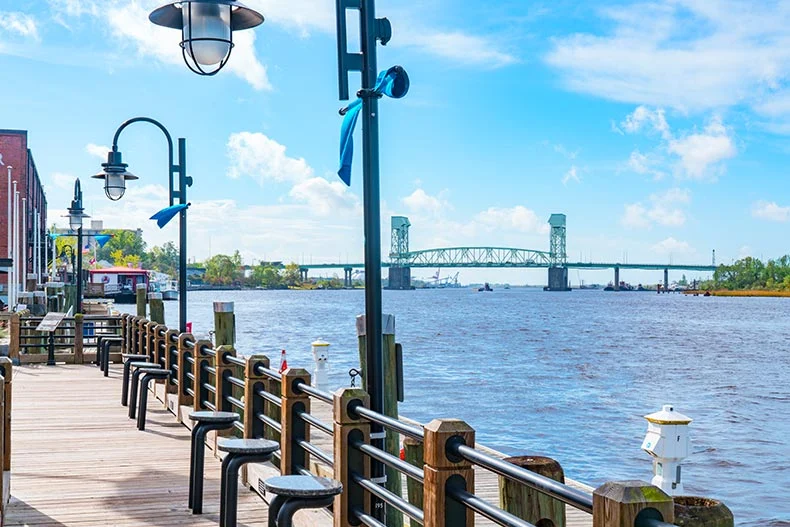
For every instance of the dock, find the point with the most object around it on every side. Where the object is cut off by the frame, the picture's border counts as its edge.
(79, 460)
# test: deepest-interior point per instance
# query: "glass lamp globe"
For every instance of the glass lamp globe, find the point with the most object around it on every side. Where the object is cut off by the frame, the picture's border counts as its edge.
(206, 32)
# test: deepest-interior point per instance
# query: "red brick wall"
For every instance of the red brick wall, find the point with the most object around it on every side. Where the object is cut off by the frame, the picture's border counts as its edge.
(15, 153)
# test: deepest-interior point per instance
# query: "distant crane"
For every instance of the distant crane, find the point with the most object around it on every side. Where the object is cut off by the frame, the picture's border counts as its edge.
(435, 282)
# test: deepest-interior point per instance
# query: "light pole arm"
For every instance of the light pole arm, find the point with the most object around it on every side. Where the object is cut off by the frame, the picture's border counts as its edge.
(172, 167)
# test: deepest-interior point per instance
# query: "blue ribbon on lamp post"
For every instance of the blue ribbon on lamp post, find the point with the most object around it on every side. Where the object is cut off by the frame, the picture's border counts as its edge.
(393, 83)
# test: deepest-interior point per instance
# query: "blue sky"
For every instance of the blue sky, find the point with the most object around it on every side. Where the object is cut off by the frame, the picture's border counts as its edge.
(659, 128)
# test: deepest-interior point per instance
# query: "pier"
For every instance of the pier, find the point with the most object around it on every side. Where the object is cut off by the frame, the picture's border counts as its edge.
(78, 460)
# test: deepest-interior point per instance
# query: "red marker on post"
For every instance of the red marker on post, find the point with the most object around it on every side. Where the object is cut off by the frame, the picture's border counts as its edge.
(283, 362)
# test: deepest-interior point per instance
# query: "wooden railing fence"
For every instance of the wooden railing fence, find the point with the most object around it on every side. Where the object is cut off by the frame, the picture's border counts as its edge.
(441, 455)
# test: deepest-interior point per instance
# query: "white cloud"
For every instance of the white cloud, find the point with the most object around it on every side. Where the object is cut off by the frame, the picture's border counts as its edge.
(672, 246)
(20, 24)
(745, 251)
(665, 209)
(420, 201)
(643, 117)
(698, 155)
(62, 180)
(571, 175)
(255, 155)
(99, 151)
(517, 218)
(459, 47)
(325, 197)
(302, 15)
(659, 53)
(702, 153)
(766, 210)
(645, 164)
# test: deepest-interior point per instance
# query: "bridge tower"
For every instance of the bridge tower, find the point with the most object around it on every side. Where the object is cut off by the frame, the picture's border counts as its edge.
(558, 271)
(399, 272)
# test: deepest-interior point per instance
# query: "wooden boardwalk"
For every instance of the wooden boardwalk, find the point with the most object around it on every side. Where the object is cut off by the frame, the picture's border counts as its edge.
(78, 460)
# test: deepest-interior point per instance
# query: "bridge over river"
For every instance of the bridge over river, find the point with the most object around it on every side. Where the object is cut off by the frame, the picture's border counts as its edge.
(403, 260)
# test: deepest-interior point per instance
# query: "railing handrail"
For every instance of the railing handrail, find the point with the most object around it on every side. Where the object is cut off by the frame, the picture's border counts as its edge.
(574, 497)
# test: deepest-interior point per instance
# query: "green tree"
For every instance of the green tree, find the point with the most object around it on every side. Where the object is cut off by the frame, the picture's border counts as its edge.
(267, 276)
(222, 269)
(291, 275)
(131, 243)
(163, 259)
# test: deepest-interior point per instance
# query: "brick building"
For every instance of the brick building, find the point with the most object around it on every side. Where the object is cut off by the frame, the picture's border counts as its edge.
(14, 152)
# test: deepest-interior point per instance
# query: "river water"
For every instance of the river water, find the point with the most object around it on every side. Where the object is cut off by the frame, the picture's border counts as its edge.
(569, 375)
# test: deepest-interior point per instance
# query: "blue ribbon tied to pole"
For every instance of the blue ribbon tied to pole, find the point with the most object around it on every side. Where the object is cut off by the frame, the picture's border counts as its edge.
(164, 216)
(393, 83)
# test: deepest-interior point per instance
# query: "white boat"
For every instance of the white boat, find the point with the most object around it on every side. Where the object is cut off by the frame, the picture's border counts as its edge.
(162, 283)
(170, 290)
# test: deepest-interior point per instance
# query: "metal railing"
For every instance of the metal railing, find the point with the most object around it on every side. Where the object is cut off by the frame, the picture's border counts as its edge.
(277, 406)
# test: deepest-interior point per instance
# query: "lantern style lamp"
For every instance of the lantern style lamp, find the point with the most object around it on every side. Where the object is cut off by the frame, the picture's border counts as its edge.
(115, 175)
(207, 28)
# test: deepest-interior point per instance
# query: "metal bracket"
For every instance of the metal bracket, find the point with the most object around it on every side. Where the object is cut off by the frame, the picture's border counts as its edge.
(345, 61)
(380, 480)
(378, 435)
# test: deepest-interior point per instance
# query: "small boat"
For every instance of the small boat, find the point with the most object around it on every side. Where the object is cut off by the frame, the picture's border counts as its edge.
(486, 287)
(120, 283)
(161, 283)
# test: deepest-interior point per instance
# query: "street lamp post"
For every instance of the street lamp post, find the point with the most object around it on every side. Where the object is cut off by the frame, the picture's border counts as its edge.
(115, 176)
(76, 215)
(219, 19)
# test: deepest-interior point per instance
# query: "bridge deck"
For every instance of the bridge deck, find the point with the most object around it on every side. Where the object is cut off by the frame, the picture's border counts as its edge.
(78, 460)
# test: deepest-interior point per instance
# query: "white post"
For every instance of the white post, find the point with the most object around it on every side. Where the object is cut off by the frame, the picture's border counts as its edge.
(14, 257)
(35, 246)
(8, 240)
(23, 243)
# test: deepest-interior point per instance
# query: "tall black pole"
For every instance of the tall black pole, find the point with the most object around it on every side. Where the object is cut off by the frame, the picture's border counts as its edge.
(372, 220)
(78, 307)
(182, 235)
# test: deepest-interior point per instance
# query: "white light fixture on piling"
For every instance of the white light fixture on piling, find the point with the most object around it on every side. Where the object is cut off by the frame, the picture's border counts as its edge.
(207, 28)
(667, 442)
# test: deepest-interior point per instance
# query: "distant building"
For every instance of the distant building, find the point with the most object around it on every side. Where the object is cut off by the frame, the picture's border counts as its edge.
(14, 153)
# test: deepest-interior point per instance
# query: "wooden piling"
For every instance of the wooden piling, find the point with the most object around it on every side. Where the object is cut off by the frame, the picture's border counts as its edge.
(618, 503)
(692, 511)
(224, 324)
(440, 472)
(292, 456)
(157, 307)
(528, 504)
(415, 455)
(140, 292)
(348, 428)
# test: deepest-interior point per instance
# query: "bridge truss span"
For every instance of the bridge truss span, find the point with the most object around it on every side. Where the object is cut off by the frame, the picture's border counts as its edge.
(475, 257)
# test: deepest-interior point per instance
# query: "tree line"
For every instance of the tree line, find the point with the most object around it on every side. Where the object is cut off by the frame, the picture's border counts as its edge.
(127, 248)
(752, 273)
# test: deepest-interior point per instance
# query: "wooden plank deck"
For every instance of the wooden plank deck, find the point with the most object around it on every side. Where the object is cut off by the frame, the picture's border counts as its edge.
(78, 460)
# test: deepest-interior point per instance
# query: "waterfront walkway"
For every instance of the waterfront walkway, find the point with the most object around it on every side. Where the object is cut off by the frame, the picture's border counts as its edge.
(78, 460)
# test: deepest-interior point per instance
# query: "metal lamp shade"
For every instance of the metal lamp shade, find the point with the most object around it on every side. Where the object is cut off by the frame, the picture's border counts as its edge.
(115, 175)
(207, 28)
